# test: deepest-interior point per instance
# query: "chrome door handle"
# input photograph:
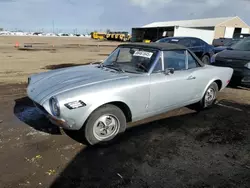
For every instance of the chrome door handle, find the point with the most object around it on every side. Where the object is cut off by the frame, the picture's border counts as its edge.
(191, 78)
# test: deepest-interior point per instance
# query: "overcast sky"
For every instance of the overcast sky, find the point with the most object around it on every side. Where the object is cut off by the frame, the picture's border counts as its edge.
(86, 15)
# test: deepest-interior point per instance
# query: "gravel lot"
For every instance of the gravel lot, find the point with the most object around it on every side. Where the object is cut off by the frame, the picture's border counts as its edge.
(178, 149)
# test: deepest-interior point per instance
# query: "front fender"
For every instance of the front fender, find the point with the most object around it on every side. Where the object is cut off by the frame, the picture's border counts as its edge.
(98, 103)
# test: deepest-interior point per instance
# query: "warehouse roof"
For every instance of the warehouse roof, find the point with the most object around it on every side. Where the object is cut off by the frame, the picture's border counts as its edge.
(208, 22)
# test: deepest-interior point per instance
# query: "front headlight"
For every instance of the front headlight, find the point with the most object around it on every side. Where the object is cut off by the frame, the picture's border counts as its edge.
(247, 65)
(54, 106)
(212, 60)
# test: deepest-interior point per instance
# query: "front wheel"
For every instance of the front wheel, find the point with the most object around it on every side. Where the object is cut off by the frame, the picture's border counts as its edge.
(104, 124)
(208, 99)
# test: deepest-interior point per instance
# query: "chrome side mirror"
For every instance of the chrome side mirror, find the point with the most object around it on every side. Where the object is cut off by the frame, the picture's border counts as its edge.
(169, 71)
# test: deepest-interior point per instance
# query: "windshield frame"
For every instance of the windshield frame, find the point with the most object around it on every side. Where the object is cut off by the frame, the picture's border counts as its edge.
(150, 69)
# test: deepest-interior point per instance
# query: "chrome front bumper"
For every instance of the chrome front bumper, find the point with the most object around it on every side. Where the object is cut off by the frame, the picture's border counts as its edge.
(55, 120)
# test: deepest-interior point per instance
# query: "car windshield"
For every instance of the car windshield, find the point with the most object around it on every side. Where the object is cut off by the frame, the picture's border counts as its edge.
(230, 43)
(131, 59)
(242, 45)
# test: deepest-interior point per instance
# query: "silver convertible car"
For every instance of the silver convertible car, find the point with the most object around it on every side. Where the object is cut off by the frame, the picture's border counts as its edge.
(136, 81)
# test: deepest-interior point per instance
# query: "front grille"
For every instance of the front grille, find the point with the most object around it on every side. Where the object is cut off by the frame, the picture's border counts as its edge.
(233, 63)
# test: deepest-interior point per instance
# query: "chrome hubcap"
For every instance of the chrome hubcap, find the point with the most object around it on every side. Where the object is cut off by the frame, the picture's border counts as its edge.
(210, 95)
(106, 126)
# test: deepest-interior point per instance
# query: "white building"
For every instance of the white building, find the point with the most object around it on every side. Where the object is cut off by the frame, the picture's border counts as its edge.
(206, 29)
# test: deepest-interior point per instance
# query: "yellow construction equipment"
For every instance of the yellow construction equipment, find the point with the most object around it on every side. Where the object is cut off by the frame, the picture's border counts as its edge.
(146, 41)
(98, 35)
(112, 36)
(108, 36)
(118, 36)
(115, 36)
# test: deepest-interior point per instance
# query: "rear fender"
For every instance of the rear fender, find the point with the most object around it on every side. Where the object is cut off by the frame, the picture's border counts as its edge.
(209, 83)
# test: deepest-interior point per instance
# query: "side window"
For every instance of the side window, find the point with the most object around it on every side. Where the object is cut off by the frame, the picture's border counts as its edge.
(192, 63)
(195, 43)
(185, 42)
(175, 59)
(158, 66)
(163, 40)
(203, 43)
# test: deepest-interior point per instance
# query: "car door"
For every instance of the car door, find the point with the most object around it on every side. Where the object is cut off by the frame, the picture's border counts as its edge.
(198, 76)
(171, 90)
(197, 47)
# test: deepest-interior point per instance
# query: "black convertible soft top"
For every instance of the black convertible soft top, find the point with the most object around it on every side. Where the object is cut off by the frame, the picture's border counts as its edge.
(155, 45)
(163, 46)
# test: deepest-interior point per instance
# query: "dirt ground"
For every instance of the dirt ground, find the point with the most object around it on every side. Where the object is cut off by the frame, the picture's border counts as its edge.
(17, 64)
(178, 149)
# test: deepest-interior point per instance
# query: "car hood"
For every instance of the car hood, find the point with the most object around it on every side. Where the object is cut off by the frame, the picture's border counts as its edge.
(233, 54)
(45, 85)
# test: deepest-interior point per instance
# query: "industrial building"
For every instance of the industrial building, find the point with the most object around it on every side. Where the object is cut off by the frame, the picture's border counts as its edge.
(206, 29)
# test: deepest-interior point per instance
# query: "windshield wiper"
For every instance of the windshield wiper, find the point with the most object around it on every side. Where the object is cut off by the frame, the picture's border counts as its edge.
(115, 67)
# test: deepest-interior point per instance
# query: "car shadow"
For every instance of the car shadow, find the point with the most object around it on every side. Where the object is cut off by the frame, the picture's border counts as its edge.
(187, 150)
(26, 112)
(145, 123)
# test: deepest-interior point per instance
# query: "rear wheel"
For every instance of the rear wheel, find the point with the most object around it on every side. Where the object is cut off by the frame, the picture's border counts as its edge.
(104, 124)
(206, 59)
(208, 99)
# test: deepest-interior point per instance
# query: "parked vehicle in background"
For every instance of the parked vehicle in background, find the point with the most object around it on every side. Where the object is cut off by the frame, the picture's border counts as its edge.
(202, 50)
(238, 58)
(221, 41)
(241, 35)
(227, 45)
(136, 81)
(224, 41)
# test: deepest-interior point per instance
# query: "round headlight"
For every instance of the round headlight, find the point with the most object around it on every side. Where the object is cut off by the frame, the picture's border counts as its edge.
(54, 106)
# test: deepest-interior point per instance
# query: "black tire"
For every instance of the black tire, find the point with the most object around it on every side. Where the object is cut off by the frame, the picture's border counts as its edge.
(203, 103)
(205, 59)
(116, 113)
